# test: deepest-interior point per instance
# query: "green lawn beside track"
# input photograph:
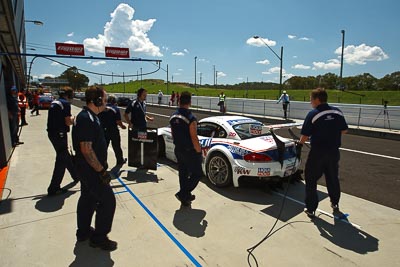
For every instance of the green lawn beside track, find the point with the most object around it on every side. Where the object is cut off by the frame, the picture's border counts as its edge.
(334, 96)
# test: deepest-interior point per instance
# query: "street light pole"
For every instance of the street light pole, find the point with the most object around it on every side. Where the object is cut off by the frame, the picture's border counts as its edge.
(279, 57)
(195, 59)
(341, 63)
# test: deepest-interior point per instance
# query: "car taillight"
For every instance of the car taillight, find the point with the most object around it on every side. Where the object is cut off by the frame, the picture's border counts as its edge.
(255, 157)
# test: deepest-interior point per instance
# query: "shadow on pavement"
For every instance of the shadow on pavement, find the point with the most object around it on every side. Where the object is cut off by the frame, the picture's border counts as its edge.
(190, 221)
(346, 236)
(88, 256)
(141, 176)
(51, 204)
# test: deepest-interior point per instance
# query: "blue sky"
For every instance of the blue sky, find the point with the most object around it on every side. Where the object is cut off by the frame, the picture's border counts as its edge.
(219, 33)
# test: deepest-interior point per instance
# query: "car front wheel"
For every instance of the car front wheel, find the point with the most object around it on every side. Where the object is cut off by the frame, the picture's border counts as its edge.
(219, 170)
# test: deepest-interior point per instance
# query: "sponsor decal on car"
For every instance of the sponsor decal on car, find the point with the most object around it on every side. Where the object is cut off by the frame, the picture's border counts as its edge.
(232, 122)
(264, 172)
(255, 129)
(237, 150)
(241, 170)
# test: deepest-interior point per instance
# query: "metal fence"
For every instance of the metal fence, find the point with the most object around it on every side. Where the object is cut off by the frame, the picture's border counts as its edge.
(357, 115)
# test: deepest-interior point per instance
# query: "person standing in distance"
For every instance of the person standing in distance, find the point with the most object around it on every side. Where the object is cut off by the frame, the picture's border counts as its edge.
(187, 149)
(285, 103)
(324, 126)
(137, 108)
(110, 119)
(91, 161)
(58, 122)
(221, 102)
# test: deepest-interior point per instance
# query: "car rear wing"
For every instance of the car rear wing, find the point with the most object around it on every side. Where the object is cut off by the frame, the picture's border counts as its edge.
(268, 128)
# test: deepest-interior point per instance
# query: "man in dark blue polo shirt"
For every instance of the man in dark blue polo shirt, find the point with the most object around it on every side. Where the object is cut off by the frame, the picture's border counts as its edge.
(324, 126)
(110, 119)
(187, 149)
(91, 161)
(58, 122)
(137, 108)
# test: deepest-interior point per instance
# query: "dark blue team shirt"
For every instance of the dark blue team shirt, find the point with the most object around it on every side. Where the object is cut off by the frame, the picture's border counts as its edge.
(324, 126)
(87, 128)
(59, 110)
(138, 116)
(110, 116)
(180, 129)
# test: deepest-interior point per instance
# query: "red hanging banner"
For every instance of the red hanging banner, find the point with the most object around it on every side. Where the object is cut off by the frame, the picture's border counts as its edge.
(70, 49)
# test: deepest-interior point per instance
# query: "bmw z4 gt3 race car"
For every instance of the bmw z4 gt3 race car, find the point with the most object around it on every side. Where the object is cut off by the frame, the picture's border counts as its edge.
(236, 147)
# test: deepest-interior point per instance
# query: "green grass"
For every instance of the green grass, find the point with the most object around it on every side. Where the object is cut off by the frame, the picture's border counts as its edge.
(334, 96)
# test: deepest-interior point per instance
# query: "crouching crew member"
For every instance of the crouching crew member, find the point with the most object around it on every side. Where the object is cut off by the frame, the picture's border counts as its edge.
(91, 156)
(110, 119)
(58, 121)
(187, 149)
(324, 126)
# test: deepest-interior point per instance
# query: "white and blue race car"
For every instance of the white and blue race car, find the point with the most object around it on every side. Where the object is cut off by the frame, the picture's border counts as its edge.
(236, 147)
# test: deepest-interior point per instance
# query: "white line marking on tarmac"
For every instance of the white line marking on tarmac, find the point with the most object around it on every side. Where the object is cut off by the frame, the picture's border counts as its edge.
(321, 211)
(368, 153)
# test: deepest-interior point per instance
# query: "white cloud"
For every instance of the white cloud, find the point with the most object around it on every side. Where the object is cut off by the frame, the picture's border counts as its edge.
(266, 72)
(276, 70)
(178, 54)
(123, 31)
(291, 36)
(301, 67)
(330, 65)
(97, 63)
(180, 69)
(55, 64)
(294, 56)
(362, 53)
(186, 51)
(264, 62)
(44, 75)
(70, 34)
(304, 39)
(70, 42)
(176, 74)
(239, 78)
(221, 74)
(259, 43)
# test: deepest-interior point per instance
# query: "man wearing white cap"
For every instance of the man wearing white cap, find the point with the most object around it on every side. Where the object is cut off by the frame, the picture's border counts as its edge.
(285, 102)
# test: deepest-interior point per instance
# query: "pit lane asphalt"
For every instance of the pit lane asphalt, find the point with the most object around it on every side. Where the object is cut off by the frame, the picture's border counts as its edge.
(369, 177)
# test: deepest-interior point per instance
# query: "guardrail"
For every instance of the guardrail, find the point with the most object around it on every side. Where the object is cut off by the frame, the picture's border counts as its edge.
(356, 115)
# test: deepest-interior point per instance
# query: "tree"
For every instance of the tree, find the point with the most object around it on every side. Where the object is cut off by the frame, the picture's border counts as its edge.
(76, 80)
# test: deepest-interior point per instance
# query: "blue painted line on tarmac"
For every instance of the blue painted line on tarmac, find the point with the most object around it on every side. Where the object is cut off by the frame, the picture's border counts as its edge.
(168, 233)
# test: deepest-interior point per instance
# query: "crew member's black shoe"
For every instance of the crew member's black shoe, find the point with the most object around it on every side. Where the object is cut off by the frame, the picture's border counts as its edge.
(107, 244)
(310, 214)
(185, 203)
(335, 207)
(59, 191)
(85, 236)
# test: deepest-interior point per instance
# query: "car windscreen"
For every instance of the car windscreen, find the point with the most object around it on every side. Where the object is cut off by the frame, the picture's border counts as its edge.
(249, 130)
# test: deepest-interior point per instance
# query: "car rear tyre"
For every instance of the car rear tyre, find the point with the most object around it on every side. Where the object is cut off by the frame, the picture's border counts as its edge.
(219, 170)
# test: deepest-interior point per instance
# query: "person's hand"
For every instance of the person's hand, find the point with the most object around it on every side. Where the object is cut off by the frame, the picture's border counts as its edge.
(151, 118)
(123, 126)
(299, 147)
(104, 176)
